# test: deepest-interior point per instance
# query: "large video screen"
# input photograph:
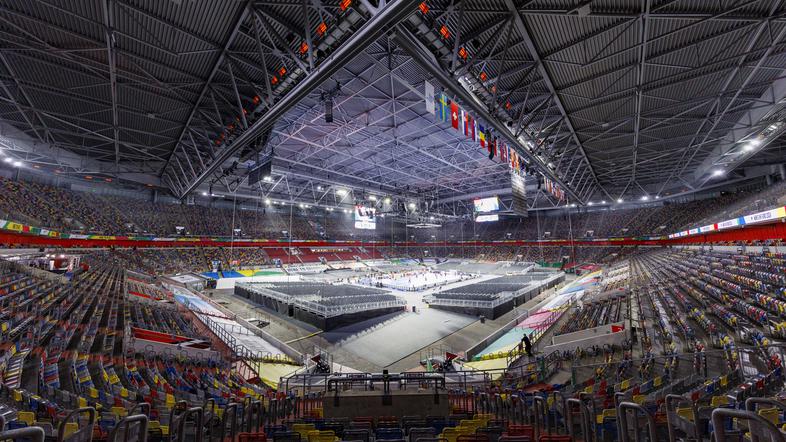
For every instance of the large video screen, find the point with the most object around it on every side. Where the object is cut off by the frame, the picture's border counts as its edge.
(487, 218)
(365, 218)
(487, 204)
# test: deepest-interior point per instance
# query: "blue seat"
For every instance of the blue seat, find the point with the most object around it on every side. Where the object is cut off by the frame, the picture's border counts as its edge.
(389, 433)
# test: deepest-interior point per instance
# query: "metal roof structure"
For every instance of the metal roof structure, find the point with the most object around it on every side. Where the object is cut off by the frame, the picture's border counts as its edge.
(610, 99)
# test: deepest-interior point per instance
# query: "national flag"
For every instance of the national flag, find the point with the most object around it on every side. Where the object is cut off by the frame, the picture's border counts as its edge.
(465, 123)
(454, 114)
(429, 97)
(440, 107)
(503, 155)
(481, 136)
(471, 122)
(492, 147)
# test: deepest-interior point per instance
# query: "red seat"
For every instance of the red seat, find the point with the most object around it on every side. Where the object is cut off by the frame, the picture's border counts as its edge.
(252, 437)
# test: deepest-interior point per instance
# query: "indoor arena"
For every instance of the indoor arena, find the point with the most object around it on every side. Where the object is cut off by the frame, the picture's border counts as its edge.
(392, 220)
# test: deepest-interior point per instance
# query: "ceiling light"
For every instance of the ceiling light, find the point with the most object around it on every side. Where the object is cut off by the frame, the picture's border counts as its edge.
(204, 193)
(573, 205)
(319, 188)
(431, 218)
(17, 163)
(590, 203)
(8, 159)
(603, 202)
(302, 206)
(657, 197)
(717, 172)
(346, 210)
(372, 198)
(268, 178)
(645, 198)
(619, 200)
(387, 200)
(341, 192)
(267, 201)
(411, 205)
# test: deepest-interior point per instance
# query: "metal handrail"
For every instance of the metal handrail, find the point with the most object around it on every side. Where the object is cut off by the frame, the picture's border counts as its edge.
(125, 423)
(198, 412)
(31, 434)
(230, 410)
(585, 419)
(622, 421)
(719, 414)
(672, 400)
(91, 422)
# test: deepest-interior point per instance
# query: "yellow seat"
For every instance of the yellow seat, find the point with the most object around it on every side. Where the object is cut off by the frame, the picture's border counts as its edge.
(27, 417)
(639, 399)
(718, 401)
(685, 413)
(321, 436)
(771, 414)
(70, 428)
(607, 413)
(303, 429)
(450, 434)
(119, 411)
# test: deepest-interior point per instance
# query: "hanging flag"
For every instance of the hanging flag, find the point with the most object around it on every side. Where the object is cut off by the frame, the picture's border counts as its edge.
(503, 155)
(471, 128)
(491, 141)
(481, 136)
(429, 97)
(465, 122)
(446, 107)
(440, 107)
(454, 114)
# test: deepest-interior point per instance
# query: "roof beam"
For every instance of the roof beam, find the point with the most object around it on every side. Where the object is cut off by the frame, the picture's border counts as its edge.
(521, 27)
(206, 86)
(108, 7)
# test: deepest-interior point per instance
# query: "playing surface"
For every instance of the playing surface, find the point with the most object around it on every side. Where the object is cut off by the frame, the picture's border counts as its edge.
(385, 340)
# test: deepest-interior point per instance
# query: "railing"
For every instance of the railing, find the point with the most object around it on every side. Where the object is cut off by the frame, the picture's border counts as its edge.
(323, 310)
(329, 311)
(240, 350)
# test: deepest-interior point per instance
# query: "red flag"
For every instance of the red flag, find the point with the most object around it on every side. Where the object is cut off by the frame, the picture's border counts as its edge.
(471, 124)
(617, 328)
(454, 114)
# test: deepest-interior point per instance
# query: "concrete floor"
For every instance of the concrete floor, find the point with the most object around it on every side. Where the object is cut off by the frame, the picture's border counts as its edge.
(396, 342)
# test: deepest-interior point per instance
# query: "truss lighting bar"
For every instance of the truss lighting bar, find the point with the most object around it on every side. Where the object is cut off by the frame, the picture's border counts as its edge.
(424, 226)
(393, 12)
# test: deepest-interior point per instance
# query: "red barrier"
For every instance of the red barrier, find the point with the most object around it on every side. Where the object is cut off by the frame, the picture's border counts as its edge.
(775, 231)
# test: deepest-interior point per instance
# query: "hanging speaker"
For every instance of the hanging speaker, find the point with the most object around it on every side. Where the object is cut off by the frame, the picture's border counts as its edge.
(329, 110)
